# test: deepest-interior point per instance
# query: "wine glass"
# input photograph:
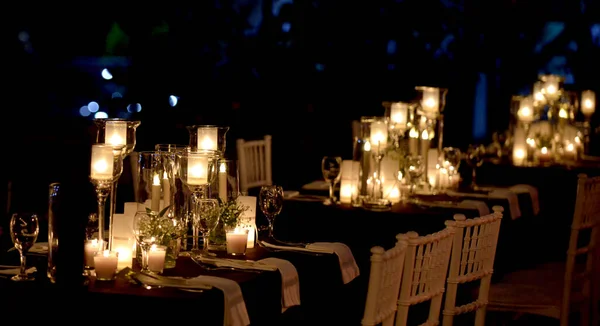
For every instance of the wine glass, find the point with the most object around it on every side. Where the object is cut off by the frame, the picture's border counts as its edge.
(331, 168)
(205, 220)
(271, 202)
(146, 229)
(416, 168)
(24, 230)
(452, 159)
(475, 155)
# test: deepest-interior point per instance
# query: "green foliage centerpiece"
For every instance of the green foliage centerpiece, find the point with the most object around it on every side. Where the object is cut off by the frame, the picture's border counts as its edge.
(229, 218)
(169, 231)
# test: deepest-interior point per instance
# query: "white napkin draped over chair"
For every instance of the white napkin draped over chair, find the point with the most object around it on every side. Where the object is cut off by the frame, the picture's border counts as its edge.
(290, 282)
(481, 206)
(513, 201)
(532, 191)
(235, 307)
(347, 263)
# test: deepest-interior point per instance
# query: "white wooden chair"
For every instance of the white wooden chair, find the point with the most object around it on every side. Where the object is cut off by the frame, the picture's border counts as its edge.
(424, 275)
(384, 283)
(555, 289)
(254, 163)
(472, 260)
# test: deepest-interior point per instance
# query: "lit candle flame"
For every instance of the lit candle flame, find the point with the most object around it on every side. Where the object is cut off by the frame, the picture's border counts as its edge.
(156, 180)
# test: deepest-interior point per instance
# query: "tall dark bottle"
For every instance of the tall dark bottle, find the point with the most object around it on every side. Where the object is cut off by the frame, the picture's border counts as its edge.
(54, 211)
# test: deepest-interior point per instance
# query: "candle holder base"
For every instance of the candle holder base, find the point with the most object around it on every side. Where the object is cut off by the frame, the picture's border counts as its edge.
(377, 205)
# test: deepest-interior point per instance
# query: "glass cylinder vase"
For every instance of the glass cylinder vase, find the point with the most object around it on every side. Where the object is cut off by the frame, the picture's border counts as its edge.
(208, 137)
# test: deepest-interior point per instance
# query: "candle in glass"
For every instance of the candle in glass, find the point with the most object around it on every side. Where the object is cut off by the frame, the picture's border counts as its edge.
(379, 135)
(237, 240)
(102, 163)
(207, 138)
(124, 247)
(519, 153)
(116, 133)
(538, 92)
(431, 99)
(551, 86)
(223, 181)
(588, 103)
(413, 141)
(525, 112)
(105, 264)
(155, 200)
(398, 114)
(197, 169)
(166, 189)
(156, 258)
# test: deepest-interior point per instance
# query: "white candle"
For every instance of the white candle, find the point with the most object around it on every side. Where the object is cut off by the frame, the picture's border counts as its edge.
(551, 86)
(91, 247)
(116, 133)
(588, 103)
(570, 151)
(197, 169)
(123, 246)
(248, 217)
(102, 162)
(223, 181)
(431, 99)
(538, 92)
(379, 135)
(166, 189)
(155, 199)
(425, 144)
(525, 112)
(398, 114)
(519, 153)
(156, 258)
(105, 263)
(413, 141)
(544, 154)
(237, 241)
(207, 138)
(346, 191)
(392, 193)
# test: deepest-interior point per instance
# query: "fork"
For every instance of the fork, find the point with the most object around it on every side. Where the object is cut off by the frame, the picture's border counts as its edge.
(209, 267)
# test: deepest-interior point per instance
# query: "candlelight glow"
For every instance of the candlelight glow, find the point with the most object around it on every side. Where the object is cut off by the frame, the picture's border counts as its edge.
(156, 180)
(101, 166)
(413, 133)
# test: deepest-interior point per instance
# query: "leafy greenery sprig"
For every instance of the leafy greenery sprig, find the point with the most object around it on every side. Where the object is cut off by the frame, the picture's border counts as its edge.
(162, 226)
(231, 211)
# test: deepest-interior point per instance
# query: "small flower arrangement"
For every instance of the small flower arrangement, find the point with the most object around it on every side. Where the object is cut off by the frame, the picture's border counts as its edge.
(164, 227)
(231, 211)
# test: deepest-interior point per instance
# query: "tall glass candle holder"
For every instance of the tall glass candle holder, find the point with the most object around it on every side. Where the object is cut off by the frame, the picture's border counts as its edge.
(121, 134)
(105, 168)
(208, 138)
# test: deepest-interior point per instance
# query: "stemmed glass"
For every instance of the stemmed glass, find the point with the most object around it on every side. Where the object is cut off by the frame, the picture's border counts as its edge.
(206, 219)
(331, 168)
(416, 168)
(146, 229)
(475, 155)
(270, 201)
(24, 229)
(452, 159)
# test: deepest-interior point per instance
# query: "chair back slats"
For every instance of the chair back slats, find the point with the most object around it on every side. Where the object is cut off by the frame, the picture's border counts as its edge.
(384, 283)
(473, 253)
(254, 159)
(424, 275)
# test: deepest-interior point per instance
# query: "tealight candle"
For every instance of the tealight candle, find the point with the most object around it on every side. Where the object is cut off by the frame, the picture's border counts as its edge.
(91, 247)
(379, 135)
(156, 258)
(197, 169)
(398, 114)
(102, 162)
(588, 103)
(207, 138)
(237, 240)
(105, 263)
(116, 133)
(124, 247)
(525, 112)
(431, 99)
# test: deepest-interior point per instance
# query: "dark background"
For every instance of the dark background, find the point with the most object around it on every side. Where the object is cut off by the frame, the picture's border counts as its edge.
(298, 70)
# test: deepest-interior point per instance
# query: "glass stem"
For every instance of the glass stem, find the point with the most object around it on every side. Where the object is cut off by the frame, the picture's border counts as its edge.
(205, 241)
(195, 238)
(22, 271)
(271, 230)
(101, 194)
(113, 206)
(144, 259)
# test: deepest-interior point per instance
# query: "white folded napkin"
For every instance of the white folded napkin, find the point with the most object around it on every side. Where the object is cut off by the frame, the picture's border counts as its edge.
(533, 192)
(316, 185)
(513, 201)
(235, 307)
(237, 263)
(16, 270)
(323, 250)
(347, 263)
(481, 206)
(172, 282)
(290, 282)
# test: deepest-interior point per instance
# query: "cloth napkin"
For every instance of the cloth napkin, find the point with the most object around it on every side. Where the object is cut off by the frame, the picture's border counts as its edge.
(533, 192)
(237, 263)
(16, 270)
(481, 206)
(347, 263)
(323, 250)
(513, 201)
(40, 248)
(235, 307)
(290, 282)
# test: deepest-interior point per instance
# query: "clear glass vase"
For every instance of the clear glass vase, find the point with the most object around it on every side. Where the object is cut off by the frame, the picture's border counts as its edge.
(208, 137)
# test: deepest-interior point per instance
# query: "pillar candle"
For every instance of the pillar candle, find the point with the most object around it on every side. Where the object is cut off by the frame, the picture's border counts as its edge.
(519, 147)
(166, 189)
(588, 103)
(237, 241)
(123, 246)
(90, 249)
(105, 264)
(155, 199)
(425, 144)
(156, 258)
(413, 141)
(346, 191)
(223, 181)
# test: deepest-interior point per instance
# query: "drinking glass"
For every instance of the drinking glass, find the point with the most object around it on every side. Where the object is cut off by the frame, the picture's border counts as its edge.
(416, 168)
(331, 168)
(206, 219)
(146, 229)
(475, 155)
(270, 200)
(452, 159)
(24, 229)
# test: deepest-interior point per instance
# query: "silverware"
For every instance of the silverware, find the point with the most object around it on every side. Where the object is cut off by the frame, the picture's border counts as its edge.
(211, 267)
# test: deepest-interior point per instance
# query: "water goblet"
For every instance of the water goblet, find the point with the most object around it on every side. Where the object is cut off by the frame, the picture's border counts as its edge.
(270, 201)
(146, 229)
(331, 168)
(416, 169)
(474, 158)
(206, 219)
(24, 230)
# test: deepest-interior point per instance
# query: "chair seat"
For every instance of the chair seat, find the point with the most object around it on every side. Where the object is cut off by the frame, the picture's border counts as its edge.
(539, 289)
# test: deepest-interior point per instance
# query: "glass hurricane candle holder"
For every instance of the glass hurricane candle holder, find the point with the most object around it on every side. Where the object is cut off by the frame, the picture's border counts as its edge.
(208, 138)
(121, 134)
